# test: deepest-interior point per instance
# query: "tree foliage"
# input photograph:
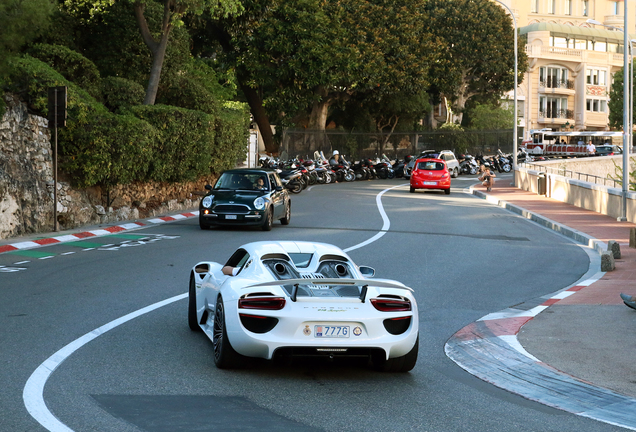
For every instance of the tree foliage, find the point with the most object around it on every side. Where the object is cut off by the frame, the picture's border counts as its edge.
(615, 104)
(491, 117)
(478, 47)
(156, 37)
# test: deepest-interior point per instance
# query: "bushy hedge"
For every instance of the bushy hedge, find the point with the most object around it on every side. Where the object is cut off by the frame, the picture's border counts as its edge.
(71, 65)
(120, 93)
(159, 142)
(232, 129)
(181, 150)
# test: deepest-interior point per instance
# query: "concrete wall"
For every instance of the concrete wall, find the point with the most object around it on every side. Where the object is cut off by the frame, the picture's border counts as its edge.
(601, 199)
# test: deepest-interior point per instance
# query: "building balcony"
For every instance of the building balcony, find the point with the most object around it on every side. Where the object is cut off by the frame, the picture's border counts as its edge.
(573, 55)
(614, 20)
(556, 117)
(551, 85)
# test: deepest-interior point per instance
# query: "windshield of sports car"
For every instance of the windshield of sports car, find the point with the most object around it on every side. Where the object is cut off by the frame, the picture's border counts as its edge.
(301, 260)
(242, 181)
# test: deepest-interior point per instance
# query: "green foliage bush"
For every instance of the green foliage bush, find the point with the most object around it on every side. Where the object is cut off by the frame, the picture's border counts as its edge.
(232, 134)
(158, 142)
(120, 93)
(181, 150)
(71, 65)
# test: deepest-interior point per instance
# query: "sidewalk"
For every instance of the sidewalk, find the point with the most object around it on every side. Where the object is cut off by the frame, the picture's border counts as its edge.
(590, 334)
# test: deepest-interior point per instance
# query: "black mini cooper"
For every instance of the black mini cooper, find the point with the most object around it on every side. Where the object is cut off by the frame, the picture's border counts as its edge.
(246, 196)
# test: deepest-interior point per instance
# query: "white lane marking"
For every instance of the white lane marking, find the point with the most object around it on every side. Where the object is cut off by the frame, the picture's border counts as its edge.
(20, 262)
(33, 393)
(385, 219)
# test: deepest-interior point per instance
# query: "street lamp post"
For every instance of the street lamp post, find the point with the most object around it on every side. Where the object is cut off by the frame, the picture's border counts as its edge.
(514, 130)
(627, 110)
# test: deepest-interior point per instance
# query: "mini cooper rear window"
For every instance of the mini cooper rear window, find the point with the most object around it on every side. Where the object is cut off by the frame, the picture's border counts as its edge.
(430, 166)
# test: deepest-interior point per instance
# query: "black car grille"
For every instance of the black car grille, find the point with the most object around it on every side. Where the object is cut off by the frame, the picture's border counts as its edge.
(232, 208)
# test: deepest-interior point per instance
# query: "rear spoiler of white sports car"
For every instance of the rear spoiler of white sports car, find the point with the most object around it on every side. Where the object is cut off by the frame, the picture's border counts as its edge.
(337, 281)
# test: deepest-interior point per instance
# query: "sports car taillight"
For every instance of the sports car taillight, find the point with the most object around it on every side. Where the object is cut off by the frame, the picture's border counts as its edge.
(397, 326)
(263, 303)
(391, 305)
(257, 323)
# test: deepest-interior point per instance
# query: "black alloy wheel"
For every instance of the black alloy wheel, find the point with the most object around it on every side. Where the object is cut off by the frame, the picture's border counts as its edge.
(224, 355)
(269, 220)
(285, 220)
(192, 306)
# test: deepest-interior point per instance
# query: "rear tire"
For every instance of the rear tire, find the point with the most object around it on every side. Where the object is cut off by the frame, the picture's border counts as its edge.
(455, 173)
(412, 190)
(224, 355)
(397, 364)
(447, 191)
(193, 323)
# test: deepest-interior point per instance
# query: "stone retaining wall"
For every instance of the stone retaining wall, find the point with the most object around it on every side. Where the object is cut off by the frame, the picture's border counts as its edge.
(26, 185)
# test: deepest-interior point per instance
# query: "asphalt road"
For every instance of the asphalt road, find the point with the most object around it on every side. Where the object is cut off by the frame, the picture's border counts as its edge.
(464, 258)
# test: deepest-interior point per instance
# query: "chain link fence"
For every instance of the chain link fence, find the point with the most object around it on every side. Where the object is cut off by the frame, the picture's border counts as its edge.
(357, 145)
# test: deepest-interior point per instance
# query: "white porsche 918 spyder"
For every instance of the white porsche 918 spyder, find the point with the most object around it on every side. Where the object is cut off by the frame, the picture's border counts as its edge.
(302, 299)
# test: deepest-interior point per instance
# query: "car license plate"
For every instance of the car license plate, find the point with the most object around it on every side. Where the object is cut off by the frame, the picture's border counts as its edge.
(430, 183)
(327, 331)
(230, 216)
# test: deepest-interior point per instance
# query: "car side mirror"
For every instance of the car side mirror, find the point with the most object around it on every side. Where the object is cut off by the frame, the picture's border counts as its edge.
(367, 271)
(278, 188)
(208, 187)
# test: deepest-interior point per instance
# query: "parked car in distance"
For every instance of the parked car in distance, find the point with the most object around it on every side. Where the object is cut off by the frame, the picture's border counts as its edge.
(430, 173)
(446, 155)
(246, 196)
(608, 150)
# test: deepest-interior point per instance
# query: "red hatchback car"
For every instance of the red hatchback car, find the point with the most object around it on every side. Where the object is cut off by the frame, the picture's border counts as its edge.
(430, 174)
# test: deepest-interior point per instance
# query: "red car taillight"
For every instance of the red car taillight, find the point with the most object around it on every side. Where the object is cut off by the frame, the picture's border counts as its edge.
(264, 303)
(391, 305)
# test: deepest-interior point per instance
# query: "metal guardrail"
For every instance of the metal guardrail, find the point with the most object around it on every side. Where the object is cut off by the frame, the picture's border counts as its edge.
(590, 178)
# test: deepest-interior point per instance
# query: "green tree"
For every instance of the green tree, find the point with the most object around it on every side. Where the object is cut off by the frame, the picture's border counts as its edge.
(303, 56)
(615, 104)
(491, 117)
(478, 45)
(20, 22)
(156, 39)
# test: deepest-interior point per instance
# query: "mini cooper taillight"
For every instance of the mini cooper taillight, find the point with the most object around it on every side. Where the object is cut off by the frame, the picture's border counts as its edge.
(391, 304)
(263, 303)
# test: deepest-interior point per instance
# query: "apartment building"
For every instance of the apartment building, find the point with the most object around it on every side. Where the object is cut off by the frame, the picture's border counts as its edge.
(571, 62)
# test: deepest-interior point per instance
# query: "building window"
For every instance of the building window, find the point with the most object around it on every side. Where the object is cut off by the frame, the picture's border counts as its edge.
(534, 6)
(586, 7)
(558, 42)
(555, 77)
(600, 46)
(596, 77)
(568, 7)
(596, 105)
(554, 107)
(551, 6)
(580, 44)
(615, 8)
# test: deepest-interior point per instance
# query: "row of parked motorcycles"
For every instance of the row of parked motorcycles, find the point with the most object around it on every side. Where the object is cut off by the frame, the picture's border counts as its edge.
(297, 174)
(471, 164)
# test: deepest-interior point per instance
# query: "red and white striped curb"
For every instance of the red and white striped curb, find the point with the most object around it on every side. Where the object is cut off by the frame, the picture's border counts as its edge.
(506, 324)
(93, 233)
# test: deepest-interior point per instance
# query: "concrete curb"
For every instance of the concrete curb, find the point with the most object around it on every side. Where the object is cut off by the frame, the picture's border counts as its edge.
(489, 348)
(577, 236)
(93, 233)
